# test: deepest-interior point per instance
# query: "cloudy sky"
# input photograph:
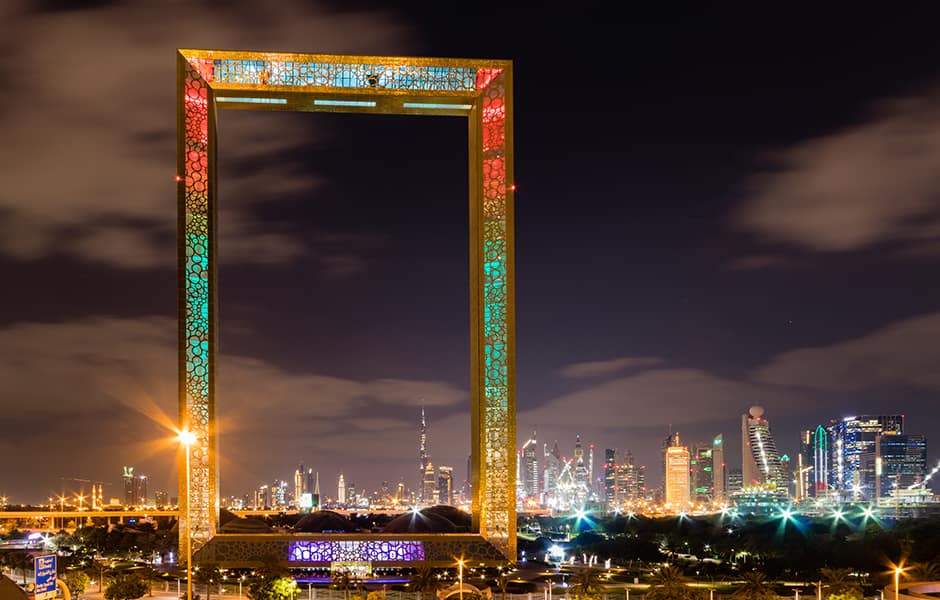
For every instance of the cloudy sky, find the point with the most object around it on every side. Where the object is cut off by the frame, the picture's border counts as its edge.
(710, 215)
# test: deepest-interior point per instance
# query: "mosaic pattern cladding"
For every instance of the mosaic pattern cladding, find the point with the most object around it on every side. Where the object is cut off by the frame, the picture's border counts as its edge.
(355, 550)
(484, 91)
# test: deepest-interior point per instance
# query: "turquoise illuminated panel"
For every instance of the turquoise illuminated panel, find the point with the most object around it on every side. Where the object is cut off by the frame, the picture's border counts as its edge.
(252, 100)
(348, 76)
(366, 103)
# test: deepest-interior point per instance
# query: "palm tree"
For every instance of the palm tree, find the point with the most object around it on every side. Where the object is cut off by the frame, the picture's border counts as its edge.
(926, 571)
(206, 573)
(19, 560)
(344, 580)
(670, 584)
(586, 582)
(755, 587)
(502, 581)
(837, 582)
(425, 581)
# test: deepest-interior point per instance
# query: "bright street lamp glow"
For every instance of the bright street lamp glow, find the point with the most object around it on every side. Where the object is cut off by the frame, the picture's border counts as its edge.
(187, 438)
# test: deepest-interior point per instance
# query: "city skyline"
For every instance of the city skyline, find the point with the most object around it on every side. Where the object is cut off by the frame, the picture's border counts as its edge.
(663, 282)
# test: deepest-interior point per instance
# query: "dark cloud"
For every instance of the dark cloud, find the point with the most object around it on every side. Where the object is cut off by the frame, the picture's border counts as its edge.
(610, 366)
(903, 353)
(870, 184)
(107, 386)
(88, 115)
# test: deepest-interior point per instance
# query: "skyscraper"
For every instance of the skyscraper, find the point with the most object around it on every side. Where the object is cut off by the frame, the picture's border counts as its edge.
(341, 490)
(530, 468)
(702, 471)
(718, 464)
(422, 449)
(760, 460)
(591, 481)
(669, 441)
(610, 477)
(630, 480)
(804, 466)
(677, 476)
(429, 485)
(299, 475)
(445, 485)
(581, 477)
(140, 490)
(852, 438)
(129, 488)
(900, 462)
(820, 462)
(551, 468)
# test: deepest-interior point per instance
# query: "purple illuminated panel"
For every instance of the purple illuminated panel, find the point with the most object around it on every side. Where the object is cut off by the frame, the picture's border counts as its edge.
(349, 550)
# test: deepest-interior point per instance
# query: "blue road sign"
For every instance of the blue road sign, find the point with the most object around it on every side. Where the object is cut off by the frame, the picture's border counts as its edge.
(45, 577)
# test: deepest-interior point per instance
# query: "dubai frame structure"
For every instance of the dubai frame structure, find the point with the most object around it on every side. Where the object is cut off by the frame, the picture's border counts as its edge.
(478, 90)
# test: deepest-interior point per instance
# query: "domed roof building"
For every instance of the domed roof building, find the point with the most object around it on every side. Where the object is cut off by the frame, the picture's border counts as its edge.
(325, 521)
(249, 525)
(434, 519)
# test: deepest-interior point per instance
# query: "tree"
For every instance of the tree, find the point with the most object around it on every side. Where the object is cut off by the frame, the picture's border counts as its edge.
(586, 583)
(278, 588)
(670, 584)
(77, 582)
(502, 582)
(425, 581)
(925, 571)
(207, 573)
(755, 587)
(19, 560)
(344, 580)
(125, 587)
(838, 585)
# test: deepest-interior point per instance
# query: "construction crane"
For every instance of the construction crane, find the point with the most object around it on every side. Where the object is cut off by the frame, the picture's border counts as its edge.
(923, 484)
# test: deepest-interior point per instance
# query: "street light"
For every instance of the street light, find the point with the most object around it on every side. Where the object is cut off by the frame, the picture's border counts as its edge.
(460, 576)
(897, 581)
(187, 438)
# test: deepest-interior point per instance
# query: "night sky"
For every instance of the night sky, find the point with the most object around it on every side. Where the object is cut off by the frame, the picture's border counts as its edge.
(712, 212)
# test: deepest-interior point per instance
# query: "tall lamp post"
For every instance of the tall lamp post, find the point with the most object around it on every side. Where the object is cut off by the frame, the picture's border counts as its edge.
(897, 581)
(187, 438)
(460, 576)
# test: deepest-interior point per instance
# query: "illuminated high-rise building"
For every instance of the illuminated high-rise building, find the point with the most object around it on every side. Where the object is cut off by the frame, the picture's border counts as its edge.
(299, 475)
(341, 490)
(677, 476)
(429, 485)
(262, 498)
(900, 462)
(735, 481)
(669, 441)
(581, 477)
(610, 477)
(592, 483)
(551, 468)
(820, 462)
(445, 485)
(530, 469)
(702, 473)
(130, 495)
(804, 466)
(718, 464)
(140, 490)
(852, 438)
(630, 480)
(423, 459)
(760, 460)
